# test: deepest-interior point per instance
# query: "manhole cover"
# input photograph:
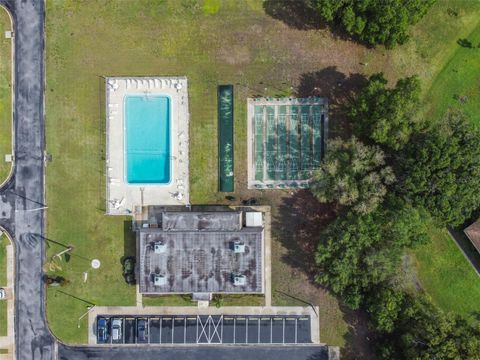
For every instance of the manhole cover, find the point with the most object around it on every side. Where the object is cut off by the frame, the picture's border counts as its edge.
(95, 263)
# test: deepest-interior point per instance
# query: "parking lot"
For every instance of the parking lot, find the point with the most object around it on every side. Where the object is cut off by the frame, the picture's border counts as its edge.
(204, 329)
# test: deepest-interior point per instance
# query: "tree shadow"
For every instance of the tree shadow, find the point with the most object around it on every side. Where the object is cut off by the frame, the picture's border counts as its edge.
(294, 13)
(299, 14)
(299, 221)
(298, 224)
(359, 339)
(339, 89)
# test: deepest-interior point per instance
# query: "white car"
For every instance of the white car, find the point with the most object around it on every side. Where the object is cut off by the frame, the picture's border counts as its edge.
(3, 294)
(117, 330)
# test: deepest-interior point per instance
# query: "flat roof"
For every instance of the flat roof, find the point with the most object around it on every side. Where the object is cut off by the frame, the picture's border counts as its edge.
(200, 261)
(215, 221)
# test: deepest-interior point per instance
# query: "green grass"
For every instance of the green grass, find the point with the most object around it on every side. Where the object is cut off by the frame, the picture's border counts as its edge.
(433, 41)
(238, 300)
(457, 85)
(211, 42)
(5, 94)
(3, 259)
(3, 281)
(169, 300)
(443, 271)
(3, 318)
(446, 275)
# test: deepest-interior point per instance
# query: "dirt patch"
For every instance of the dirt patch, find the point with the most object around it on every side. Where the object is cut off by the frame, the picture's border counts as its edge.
(235, 55)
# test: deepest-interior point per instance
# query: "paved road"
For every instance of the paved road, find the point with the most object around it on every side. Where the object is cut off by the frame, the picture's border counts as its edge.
(21, 214)
(25, 190)
(197, 352)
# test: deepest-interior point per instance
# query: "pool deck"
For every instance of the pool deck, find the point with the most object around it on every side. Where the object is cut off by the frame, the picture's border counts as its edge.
(128, 199)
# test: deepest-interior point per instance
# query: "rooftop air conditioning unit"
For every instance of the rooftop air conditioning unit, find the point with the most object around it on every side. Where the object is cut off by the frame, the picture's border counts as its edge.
(159, 280)
(238, 247)
(239, 280)
(159, 247)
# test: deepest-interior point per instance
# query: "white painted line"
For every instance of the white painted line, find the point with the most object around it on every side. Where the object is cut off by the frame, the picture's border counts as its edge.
(185, 330)
(161, 325)
(296, 326)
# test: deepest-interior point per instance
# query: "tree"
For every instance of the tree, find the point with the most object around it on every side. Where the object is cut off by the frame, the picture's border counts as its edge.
(441, 170)
(352, 174)
(373, 21)
(422, 331)
(384, 305)
(357, 253)
(386, 116)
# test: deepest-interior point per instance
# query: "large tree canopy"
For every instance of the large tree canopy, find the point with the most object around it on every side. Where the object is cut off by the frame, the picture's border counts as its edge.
(352, 174)
(441, 170)
(417, 329)
(386, 116)
(357, 253)
(375, 22)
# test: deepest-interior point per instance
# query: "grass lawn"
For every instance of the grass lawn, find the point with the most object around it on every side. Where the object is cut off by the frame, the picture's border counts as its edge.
(238, 300)
(457, 85)
(169, 300)
(442, 269)
(5, 94)
(446, 275)
(211, 42)
(3, 281)
(432, 43)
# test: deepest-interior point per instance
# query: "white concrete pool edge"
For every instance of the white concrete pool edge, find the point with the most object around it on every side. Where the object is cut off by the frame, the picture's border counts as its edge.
(123, 198)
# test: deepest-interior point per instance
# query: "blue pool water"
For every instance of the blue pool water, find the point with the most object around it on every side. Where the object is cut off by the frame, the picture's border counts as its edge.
(147, 139)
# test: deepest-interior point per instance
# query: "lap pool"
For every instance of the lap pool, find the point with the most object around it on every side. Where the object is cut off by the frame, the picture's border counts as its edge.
(147, 139)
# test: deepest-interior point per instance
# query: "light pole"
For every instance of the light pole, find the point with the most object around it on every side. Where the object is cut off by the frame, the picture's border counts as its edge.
(39, 208)
(90, 308)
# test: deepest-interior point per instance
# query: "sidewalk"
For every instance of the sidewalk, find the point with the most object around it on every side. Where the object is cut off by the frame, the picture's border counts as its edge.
(8, 342)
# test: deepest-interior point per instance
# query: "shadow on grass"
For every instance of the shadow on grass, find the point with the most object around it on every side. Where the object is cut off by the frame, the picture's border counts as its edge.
(294, 13)
(298, 225)
(301, 219)
(358, 339)
(338, 88)
(299, 14)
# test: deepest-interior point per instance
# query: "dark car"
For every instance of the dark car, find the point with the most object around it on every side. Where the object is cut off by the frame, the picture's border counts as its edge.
(129, 270)
(102, 330)
(142, 331)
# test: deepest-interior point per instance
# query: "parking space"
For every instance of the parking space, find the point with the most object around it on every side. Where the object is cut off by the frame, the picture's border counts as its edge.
(217, 329)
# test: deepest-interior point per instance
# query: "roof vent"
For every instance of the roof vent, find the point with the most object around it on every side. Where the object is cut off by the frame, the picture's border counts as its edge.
(238, 247)
(159, 247)
(159, 280)
(239, 280)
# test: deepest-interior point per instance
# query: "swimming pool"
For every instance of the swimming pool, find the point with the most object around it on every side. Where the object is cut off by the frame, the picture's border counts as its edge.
(147, 139)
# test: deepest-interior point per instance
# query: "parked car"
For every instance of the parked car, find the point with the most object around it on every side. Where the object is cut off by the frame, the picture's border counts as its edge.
(102, 330)
(117, 330)
(3, 294)
(129, 270)
(142, 330)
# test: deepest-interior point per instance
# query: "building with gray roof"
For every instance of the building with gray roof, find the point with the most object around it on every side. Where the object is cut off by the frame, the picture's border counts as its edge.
(200, 252)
